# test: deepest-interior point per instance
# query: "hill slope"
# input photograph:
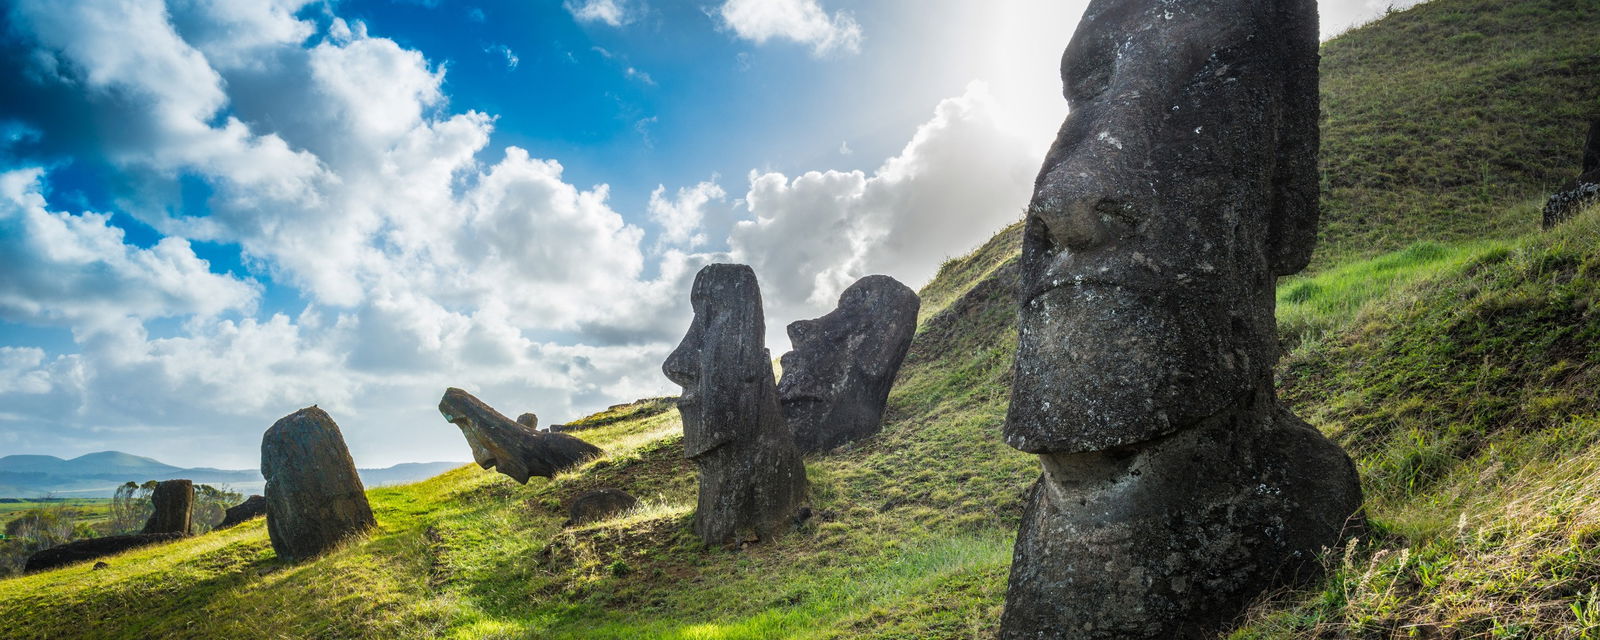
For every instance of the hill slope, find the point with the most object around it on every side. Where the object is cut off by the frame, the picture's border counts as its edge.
(1460, 375)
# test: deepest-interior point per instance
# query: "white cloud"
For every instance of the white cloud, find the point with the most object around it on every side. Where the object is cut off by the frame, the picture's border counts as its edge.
(20, 371)
(65, 269)
(680, 216)
(614, 13)
(511, 56)
(800, 21)
(963, 175)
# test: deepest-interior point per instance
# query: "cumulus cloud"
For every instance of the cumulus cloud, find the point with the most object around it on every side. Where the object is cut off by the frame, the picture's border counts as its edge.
(62, 268)
(613, 13)
(680, 216)
(963, 174)
(801, 21)
(421, 266)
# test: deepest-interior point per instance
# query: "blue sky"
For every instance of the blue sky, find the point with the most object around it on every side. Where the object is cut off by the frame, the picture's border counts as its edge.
(213, 214)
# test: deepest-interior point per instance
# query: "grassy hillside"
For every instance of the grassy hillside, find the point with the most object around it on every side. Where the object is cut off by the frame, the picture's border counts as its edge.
(1449, 122)
(1454, 351)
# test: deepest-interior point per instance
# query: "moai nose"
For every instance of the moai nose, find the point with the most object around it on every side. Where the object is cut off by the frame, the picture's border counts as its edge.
(1077, 225)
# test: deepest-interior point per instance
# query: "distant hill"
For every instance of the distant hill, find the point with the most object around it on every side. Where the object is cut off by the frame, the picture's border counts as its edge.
(99, 474)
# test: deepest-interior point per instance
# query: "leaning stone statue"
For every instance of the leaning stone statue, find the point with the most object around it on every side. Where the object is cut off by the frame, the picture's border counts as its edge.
(751, 476)
(1182, 184)
(173, 504)
(836, 380)
(512, 448)
(314, 497)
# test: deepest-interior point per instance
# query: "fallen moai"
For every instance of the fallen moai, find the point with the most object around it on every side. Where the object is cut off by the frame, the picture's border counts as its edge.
(173, 501)
(1181, 185)
(514, 449)
(89, 549)
(836, 380)
(314, 496)
(751, 478)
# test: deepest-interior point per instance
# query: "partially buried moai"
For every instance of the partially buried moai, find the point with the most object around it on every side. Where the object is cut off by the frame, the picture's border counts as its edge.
(314, 496)
(836, 380)
(172, 502)
(751, 477)
(1181, 185)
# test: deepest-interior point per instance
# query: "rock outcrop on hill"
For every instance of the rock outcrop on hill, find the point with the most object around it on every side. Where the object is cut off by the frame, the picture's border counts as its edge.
(1183, 182)
(173, 501)
(751, 478)
(512, 448)
(836, 380)
(314, 497)
(1582, 191)
(591, 506)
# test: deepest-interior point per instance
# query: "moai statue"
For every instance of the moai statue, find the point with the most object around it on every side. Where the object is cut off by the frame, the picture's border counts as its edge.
(173, 501)
(516, 449)
(751, 476)
(836, 380)
(1181, 185)
(314, 497)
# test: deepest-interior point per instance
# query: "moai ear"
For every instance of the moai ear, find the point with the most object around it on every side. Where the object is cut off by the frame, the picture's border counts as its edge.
(1292, 227)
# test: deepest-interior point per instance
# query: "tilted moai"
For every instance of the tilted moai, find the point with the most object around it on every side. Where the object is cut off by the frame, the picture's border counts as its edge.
(836, 380)
(515, 449)
(1181, 185)
(751, 477)
(173, 501)
(314, 497)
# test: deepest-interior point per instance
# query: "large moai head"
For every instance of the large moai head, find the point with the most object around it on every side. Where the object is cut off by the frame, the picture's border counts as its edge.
(314, 495)
(1180, 186)
(836, 380)
(722, 363)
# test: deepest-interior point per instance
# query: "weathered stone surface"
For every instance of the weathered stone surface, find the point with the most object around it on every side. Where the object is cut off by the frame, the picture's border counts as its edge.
(592, 506)
(837, 379)
(1180, 186)
(173, 501)
(252, 507)
(514, 449)
(529, 420)
(751, 476)
(314, 497)
(84, 550)
(1578, 194)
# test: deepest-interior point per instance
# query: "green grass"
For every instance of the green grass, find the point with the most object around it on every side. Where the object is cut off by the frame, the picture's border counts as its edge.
(1449, 122)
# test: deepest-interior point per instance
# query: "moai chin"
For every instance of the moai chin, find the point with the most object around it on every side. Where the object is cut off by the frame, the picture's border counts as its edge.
(751, 476)
(1181, 185)
(836, 381)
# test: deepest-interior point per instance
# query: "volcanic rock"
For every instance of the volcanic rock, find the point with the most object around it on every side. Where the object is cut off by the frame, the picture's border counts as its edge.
(592, 506)
(529, 420)
(1582, 192)
(751, 479)
(836, 380)
(252, 507)
(314, 497)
